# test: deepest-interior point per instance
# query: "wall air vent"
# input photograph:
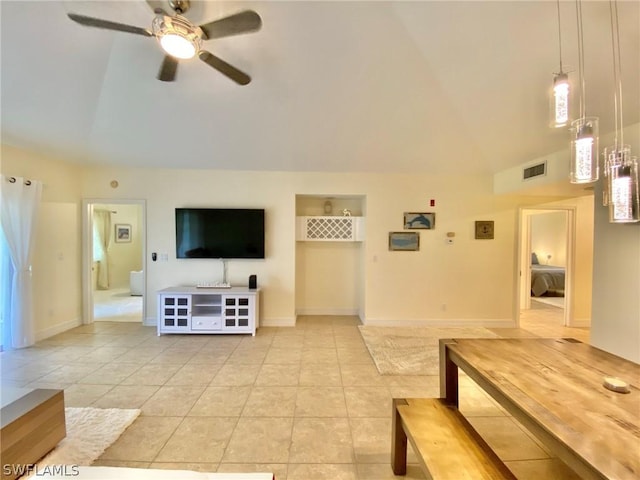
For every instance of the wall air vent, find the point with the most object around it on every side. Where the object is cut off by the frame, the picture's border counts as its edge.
(534, 171)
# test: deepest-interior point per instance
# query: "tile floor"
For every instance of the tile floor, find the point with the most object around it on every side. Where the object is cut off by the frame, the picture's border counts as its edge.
(305, 402)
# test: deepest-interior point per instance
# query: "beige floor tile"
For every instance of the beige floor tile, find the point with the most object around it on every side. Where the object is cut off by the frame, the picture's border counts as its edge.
(541, 469)
(270, 402)
(194, 374)
(279, 374)
(248, 356)
(213, 357)
(277, 469)
(288, 340)
(188, 466)
(172, 401)
(120, 463)
(320, 374)
(126, 396)
(110, 374)
(260, 440)
(284, 356)
(140, 354)
(322, 471)
(371, 439)
(174, 356)
(355, 355)
(319, 355)
(234, 375)
(198, 440)
(143, 439)
(151, 374)
(474, 402)
(360, 375)
(84, 395)
(221, 402)
(368, 401)
(507, 439)
(321, 440)
(320, 402)
(382, 471)
(105, 354)
(70, 373)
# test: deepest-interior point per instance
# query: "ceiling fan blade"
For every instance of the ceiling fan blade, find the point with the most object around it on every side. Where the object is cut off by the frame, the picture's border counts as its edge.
(168, 69)
(99, 23)
(243, 22)
(223, 67)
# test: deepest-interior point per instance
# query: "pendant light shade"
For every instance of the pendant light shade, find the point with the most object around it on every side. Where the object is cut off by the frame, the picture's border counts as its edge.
(560, 100)
(624, 201)
(584, 150)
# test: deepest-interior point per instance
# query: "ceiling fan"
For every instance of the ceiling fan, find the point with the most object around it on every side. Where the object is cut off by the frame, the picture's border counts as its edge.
(181, 39)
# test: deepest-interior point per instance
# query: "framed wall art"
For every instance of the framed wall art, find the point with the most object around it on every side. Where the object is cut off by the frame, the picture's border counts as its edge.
(404, 241)
(484, 230)
(419, 220)
(123, 233)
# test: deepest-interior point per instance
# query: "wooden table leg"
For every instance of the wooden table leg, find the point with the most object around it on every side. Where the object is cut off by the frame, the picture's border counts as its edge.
(448, 374)
(398, 440)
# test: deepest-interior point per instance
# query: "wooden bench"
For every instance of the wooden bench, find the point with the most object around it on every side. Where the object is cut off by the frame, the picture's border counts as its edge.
(446, 444)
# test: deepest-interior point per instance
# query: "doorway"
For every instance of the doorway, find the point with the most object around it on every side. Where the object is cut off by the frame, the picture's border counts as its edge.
(546, 264)
(114, 279)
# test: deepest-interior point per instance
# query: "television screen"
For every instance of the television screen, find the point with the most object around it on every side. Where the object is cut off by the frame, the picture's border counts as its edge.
(219, 233)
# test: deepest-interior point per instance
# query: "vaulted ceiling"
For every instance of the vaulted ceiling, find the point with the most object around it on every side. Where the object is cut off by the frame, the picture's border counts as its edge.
(336, 85)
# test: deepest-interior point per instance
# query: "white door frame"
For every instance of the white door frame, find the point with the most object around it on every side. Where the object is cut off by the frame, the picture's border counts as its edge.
(87, 252)
(523, 264)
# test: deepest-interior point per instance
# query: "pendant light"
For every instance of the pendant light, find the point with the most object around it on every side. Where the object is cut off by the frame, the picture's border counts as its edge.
(560, 94)
(584, 130)
(620, 167)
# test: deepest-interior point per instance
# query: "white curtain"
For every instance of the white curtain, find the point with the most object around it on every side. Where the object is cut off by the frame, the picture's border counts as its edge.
(101, 241)
(18, 213)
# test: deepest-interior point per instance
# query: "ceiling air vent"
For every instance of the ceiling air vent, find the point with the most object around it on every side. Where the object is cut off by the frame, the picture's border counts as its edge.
(534, 171)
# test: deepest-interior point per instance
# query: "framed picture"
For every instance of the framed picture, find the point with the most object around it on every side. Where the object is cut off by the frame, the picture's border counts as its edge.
(404, 241)
(484, 229)
(419, 221)
(123, 233)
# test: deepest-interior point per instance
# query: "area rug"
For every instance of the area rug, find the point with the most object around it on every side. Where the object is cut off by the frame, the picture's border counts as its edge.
(412, 350)
(90, 431)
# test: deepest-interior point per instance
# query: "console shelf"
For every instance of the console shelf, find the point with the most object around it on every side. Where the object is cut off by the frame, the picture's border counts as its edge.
(208, 310)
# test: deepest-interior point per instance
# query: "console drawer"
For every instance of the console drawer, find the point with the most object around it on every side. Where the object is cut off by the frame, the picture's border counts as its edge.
(206, 323)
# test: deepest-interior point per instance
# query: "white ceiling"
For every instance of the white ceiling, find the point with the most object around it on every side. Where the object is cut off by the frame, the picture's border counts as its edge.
(337, 85)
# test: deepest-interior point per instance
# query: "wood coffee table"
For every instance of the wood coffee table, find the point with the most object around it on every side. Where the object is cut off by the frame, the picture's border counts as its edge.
(32, 422)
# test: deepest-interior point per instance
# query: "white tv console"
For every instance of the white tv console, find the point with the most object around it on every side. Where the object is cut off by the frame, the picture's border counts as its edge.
(208, 310)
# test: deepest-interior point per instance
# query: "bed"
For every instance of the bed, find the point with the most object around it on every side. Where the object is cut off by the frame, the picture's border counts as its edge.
(546, 279)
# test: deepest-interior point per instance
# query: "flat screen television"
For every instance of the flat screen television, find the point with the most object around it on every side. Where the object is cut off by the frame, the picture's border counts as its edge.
(219, 233)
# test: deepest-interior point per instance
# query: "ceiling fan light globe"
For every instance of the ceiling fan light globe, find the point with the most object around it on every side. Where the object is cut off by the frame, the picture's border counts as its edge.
(178, 46)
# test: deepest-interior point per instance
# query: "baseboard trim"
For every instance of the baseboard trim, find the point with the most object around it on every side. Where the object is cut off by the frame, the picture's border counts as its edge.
(437, 322)
(327, 311)
(56, 329)
(150, 322)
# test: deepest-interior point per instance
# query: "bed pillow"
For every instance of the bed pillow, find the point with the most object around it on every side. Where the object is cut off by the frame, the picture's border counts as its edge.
(534, 259)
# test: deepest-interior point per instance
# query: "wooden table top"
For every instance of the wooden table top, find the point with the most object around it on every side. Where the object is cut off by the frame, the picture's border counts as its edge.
(556, 387)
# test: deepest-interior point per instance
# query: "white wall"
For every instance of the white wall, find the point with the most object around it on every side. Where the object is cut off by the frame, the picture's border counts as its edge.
(57, 259)
(471, 281)
(549, 238)
(124, 256)
(616, 277)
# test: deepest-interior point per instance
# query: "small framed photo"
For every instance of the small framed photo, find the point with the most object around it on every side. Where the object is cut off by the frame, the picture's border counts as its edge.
(404, 241)
(484, 229)
(419, 221)
(123, 233)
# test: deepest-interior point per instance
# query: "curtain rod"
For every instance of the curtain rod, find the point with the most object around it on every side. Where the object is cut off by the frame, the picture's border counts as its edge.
(13, 180)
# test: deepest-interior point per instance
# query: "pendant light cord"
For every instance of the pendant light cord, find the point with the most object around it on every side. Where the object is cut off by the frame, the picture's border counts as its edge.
(580, 58)
(617, 74)
(559, 36)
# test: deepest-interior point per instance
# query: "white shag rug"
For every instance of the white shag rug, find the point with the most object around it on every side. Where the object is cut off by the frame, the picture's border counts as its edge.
(412, 350)
(90, 431)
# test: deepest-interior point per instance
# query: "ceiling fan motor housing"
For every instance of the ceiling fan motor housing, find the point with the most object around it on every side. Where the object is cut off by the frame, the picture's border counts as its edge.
(180, 6)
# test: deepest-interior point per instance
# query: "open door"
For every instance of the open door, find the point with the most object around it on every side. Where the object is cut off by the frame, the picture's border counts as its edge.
(546, 259)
